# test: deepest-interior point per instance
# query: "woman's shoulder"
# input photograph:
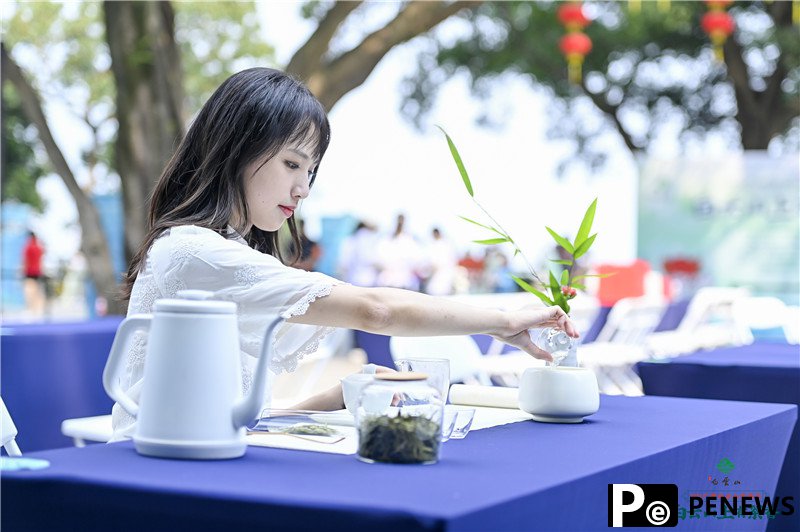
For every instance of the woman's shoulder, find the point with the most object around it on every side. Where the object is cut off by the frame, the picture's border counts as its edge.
(182, 244)
(195, 233)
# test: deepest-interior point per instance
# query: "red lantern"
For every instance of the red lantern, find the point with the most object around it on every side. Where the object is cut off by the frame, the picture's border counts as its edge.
(575, 44)
(718, 25)
(718, 4)
(572, 17)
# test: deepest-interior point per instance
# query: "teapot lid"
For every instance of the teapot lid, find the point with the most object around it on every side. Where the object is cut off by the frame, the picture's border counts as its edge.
(195, 302)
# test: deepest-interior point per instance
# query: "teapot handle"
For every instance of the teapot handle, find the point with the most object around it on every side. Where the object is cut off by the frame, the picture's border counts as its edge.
(112, 371)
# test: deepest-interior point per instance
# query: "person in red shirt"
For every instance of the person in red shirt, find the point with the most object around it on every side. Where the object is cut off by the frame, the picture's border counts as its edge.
(33, 286)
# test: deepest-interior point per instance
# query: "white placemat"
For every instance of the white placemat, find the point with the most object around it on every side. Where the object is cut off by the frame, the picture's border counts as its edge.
(486, 417)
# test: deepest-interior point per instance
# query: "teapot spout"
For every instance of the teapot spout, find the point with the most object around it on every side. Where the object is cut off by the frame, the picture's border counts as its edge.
(246, 410)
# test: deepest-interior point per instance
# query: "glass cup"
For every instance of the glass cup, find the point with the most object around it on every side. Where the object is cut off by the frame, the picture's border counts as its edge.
(458, 420)
(351, 389)
(437, 370)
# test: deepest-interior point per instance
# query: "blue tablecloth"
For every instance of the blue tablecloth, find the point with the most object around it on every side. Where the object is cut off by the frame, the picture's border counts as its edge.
(51, 372)
(764, 372)
(524, 476)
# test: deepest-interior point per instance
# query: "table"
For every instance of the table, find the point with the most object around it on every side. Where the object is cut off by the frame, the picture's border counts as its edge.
(524, 476)
(764, 372)
(53, 371)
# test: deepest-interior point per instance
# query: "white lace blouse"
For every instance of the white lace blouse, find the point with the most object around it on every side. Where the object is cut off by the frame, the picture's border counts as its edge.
(190, 257)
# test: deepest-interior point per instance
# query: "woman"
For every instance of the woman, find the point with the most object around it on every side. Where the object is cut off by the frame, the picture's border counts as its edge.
(248, 160)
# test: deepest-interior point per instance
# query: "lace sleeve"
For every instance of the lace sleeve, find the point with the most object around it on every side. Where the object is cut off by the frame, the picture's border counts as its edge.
(260, 284)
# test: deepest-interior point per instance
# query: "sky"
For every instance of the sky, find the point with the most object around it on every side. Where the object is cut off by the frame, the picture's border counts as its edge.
(378, 165)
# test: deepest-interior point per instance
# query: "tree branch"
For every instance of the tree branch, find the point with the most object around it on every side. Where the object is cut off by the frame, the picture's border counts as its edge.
(612, 112)
(309, 57)
(93, 242)
(33, 110)
(331, 81)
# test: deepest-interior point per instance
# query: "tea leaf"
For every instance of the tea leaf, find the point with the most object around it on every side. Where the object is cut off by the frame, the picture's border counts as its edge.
(563, 242)
(528, 288)
(564, 277)
(584, 247)
(400, 439)
(459, 163)
(491, 241)
(311, 429)
(586, 224)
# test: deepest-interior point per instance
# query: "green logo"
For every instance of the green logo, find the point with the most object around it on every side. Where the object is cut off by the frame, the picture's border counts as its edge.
(725, 466)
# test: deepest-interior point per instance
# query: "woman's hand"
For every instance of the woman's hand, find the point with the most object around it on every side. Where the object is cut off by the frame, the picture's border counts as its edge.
(534, 317)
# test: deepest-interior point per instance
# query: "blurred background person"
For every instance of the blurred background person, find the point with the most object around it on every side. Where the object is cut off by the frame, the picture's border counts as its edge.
(357, 256)
(497, 273)
(442, 262)
(400, 259)
(474, 268)
(33, 276)
(310, 251)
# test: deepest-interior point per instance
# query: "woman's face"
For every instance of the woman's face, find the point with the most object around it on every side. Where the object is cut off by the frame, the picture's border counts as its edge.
(273, 190)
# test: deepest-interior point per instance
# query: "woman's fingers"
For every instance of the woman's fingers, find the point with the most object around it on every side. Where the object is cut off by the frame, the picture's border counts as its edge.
(559, 318)
(524, 342)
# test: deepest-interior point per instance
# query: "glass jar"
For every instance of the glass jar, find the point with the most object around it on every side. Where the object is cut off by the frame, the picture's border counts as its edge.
(399, 419)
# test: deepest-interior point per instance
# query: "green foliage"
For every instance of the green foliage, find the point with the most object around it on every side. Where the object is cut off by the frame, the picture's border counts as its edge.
(217, 39)
(555, 285)
(21, 168)
(73, 64)
(624, 74)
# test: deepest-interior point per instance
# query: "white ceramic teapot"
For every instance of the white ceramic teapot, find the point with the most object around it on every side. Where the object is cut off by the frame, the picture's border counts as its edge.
(191, 403)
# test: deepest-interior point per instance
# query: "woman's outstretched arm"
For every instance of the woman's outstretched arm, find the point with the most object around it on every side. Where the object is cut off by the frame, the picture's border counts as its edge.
(397, 312)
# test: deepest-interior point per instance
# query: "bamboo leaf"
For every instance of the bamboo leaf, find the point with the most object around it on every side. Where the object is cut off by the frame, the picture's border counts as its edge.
(579, 286)
(563, 242)
(555, 286)
(528, 288)
(459, 163)
(565, 262)
(599, 275)
(517, 252)
(584, 247)
(561, 301)
(586, 224)
(564, 277)
(491, 241)
(481, 225)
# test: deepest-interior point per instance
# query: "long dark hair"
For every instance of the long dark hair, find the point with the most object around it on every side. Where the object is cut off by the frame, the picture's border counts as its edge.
(251, 116)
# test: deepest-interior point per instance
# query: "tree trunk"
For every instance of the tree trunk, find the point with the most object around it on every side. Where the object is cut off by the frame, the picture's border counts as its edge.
(145, 61)
(93, 241)
(762, 114)
(332, 79)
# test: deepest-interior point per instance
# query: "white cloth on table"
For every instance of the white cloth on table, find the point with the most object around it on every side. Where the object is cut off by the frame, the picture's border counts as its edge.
(190, 257)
